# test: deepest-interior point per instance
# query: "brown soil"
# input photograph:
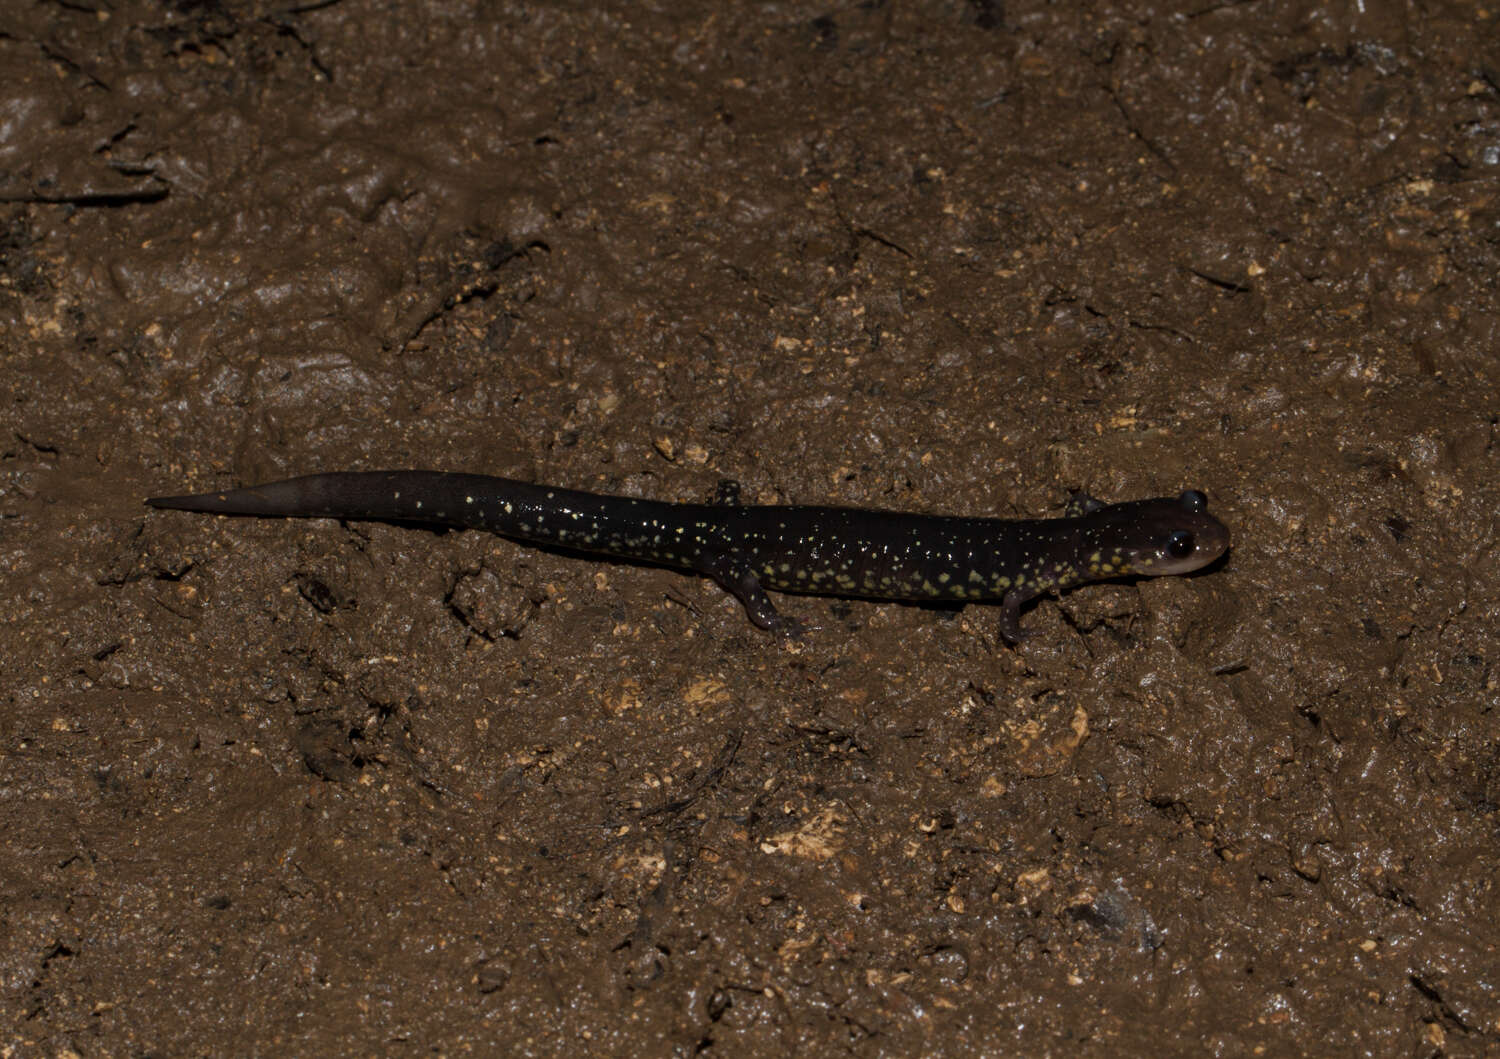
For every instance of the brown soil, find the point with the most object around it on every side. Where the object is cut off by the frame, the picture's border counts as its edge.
(312, 787)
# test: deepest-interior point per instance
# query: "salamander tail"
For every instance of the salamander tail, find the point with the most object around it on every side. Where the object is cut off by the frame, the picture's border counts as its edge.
(296, 496)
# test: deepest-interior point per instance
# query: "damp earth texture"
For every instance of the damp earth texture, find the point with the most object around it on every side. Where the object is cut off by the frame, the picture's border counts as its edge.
(320, 786)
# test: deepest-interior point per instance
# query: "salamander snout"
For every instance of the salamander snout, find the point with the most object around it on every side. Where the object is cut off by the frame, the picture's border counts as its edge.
(1176, 536)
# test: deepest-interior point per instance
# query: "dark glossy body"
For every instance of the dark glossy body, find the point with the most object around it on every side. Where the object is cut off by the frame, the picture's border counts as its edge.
(747, 549)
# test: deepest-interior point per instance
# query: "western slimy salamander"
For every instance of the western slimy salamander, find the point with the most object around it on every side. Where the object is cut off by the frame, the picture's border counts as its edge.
(831, 551)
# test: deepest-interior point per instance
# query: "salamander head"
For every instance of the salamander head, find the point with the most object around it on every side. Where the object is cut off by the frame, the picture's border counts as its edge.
(1149, 538)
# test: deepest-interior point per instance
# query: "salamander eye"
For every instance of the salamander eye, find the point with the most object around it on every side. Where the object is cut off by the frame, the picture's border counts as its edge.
(1180, 544)
(1193, 500)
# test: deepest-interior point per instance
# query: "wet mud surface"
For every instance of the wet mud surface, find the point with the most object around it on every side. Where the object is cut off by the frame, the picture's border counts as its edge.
(317, 787)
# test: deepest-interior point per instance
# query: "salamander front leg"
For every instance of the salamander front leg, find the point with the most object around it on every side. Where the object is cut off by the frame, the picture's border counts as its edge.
(1010, 616)
(1081, 504)
(740, 581)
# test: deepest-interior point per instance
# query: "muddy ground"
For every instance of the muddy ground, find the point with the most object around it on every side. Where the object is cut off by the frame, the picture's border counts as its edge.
(318, 787)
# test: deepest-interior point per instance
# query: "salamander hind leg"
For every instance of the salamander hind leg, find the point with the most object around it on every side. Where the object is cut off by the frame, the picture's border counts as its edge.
(739, 580)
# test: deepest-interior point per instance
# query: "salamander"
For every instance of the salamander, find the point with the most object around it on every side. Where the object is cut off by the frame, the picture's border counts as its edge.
(830, 551)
